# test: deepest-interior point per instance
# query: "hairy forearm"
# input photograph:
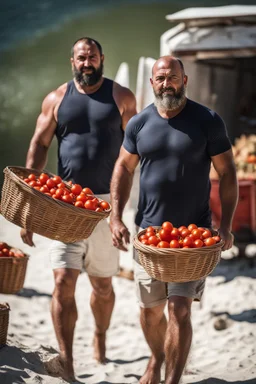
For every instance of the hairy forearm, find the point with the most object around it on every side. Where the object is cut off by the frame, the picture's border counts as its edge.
(228, 190)
(37, 156)
(120, 189)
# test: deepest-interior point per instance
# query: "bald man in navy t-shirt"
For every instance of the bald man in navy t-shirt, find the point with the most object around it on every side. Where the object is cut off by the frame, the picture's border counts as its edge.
(175, 140)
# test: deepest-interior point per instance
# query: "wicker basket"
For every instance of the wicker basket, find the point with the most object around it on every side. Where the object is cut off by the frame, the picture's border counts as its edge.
(177, 265)
(12, 273)
(30, 209)
(4, 321)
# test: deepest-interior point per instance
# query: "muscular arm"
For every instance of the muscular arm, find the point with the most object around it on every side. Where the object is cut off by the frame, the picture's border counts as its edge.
(228, 191)
(126, 103)
(44, 132)
(120, 189)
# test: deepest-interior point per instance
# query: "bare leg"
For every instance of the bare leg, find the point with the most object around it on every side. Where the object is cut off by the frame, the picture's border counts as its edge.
(178, 337)
(64, 316)
(153, 322)
(102, 304)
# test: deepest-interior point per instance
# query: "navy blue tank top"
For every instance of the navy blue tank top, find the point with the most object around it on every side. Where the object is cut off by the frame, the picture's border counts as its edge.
(89, 134)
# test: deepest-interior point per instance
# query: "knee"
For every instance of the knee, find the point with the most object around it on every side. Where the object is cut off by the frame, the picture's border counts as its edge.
(150, 317)
(103, 288)
(64, 286)
(179, 309)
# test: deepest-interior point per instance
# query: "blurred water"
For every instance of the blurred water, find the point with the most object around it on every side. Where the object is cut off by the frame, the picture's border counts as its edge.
(35, 42)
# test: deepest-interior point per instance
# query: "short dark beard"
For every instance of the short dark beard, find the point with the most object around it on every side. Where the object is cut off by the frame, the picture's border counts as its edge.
(170, 102)
(85, 79)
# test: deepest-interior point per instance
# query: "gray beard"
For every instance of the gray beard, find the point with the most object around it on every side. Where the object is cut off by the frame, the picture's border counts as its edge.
(169, 102)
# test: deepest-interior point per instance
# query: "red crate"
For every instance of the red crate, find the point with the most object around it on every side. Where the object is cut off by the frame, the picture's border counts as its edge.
(245, 214)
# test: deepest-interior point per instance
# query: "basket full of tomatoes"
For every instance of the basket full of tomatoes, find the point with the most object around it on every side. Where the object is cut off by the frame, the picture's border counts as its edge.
(13, 266)
(179, 255)
(45, 204)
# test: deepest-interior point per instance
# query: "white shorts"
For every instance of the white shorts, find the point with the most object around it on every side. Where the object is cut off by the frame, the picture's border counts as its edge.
(96, 254)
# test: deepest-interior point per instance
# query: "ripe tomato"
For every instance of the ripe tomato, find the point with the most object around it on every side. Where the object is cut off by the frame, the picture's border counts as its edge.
(144, 241)
(5, 252)
(87, 191)
(191, 227)
(143, 237)
(209, 241)
(198, 243)
(61, 185)
(32, 183)
(104, 205)
(50, 183)
(82, 197)
(89, 204)
(3, 245)
(188, 242)
(165, 235)
(57, 179)
(43, 178)
(207, 233)
(216, 238)
(79, 204)
(163, 244)
(175, 234)
(44, 189)
(180, 229)
(76, 189)
(153, 240)
(185, 232)
(201, 229)
(98, 209)
(59, 192)
(167, 225)
(32, 177)
(27, 180)
(67, 198)
(150, 233)
(197, 233)
(174, 244)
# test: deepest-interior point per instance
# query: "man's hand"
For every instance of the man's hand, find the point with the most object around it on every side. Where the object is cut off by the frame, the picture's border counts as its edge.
(227, 237)
(27, 237)
(120, 234)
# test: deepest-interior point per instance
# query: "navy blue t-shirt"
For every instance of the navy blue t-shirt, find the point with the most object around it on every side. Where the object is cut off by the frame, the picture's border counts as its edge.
(175, 158)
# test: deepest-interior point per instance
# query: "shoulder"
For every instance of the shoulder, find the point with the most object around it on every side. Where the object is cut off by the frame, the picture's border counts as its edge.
(204, 113)
(142, 117)
(122, 94)
(55, 97)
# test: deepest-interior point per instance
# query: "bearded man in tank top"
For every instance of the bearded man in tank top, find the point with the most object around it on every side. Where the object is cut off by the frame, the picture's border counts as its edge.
(88, 115)
(175, 140)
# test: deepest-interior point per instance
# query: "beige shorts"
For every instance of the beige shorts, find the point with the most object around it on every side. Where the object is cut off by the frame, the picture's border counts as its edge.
(152, 292)
(96, 254)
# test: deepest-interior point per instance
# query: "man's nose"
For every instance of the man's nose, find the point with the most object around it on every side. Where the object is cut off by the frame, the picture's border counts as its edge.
(87, 62)
(167, 82)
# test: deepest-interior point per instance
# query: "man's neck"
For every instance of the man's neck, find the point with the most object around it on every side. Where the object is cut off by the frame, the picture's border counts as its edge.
(169, 114)
(89, 88)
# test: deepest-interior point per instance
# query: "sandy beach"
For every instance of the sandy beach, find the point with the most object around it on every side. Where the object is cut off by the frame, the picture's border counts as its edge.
(217, 356)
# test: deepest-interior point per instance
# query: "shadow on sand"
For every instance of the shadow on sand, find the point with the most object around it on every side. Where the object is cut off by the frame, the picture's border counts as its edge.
(30, 292)
(239, 266)
(212, 380)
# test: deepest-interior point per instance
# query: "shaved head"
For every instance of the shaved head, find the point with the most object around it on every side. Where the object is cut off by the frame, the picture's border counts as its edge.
(169, 83)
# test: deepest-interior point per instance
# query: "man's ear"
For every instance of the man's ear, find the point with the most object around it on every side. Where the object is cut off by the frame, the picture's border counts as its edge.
(151, 81)
(185, 80)
(102, 58)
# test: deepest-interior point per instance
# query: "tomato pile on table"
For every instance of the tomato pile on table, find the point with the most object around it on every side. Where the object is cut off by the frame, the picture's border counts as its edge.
(167, 236)
(68, 192)
(7, 251)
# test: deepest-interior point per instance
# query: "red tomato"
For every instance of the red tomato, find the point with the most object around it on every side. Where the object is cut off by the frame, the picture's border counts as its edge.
(32, 183)
(52, 191)
(143, 237)
(185, 232)
(163, 244)
(50, 183)
(82, 197)
(44, 189)
(201, 229)
(167, 225)
(5, 252)
(98, 209)
(198, 243)
(11, 254)
(79, 204)
(57, 179)
(59, 192)
(1, 254)
(165, 235)
(180, 229)
(175, 234)
(76, 189)
(191, 227)
(207, 233)
(197, 233)
(104, 205)
(150, 233)
(37, 188)
(188, 242)
(61, 185)
(144, 241)
(216, 238)
(87, 191)
(209, 241)
(32, 177)
(27, 180)
(48, 194)
(89, 204)
(150, 229)
(174, 244)
(67, 198)
(43, 178)
(153, 240)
